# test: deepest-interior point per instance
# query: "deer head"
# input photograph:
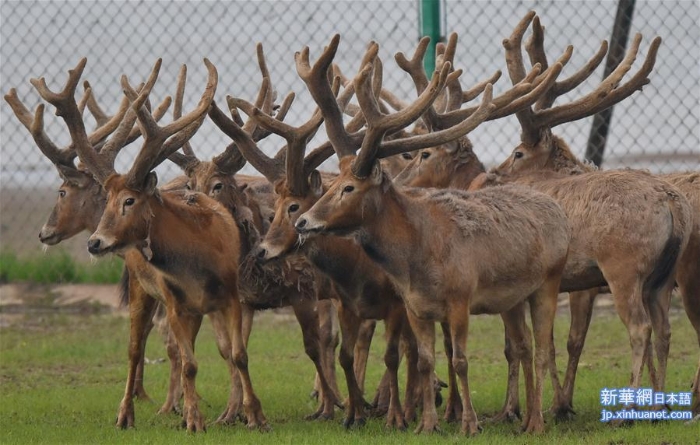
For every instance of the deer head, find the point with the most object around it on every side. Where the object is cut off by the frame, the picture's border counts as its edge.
(356, 195)
(126, 220)
(81, 199)
(539, 148)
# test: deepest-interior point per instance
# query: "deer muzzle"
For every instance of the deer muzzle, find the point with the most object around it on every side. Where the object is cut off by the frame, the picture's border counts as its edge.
(306, 224)
(98, 245)
(49, 236)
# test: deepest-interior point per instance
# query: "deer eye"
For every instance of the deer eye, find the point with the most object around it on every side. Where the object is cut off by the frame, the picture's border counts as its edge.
(293, 208)
(425, 155)
(406, 156)
(218, 186)
(518, 154)
(129, 201)
(348, 189)
(62, 193)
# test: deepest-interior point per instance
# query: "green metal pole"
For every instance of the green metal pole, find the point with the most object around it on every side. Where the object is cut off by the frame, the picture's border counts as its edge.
(430, 26)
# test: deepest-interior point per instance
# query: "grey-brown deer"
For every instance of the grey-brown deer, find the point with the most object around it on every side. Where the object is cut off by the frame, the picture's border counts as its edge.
(134, 224)
(290, 283)
(608, 246)
(81, 201)
(407, 233)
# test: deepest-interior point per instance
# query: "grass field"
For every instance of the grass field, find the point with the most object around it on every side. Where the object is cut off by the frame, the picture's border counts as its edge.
(62, 377)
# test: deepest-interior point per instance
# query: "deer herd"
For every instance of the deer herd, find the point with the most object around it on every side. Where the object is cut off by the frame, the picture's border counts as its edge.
(412, 230)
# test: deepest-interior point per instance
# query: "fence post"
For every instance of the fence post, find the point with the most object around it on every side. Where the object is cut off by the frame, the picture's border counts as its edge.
(430, 26)
(618, 42)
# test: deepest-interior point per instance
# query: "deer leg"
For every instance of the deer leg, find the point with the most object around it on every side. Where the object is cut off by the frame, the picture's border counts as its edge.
(657, 304)
(223, 344)
(394, 324)
(413, 393)
(184, 326)
(329, 340)
(139, 390)
(458, 319)
(543, 308)
(364, 341)
(424, 330)
(141, 308)
(517, 349)
(354, 407)
(688, 280)
(581, 309)
(453, 409)
(305, 311)
(175, 382)
(627, 295)
(251, 404)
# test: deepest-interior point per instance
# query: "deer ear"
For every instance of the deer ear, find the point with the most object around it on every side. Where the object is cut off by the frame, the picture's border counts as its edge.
(376, 174)
(149, 186)
(315, 183)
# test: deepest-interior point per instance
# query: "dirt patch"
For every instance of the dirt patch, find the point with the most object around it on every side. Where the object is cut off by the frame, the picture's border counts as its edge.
(20, 299)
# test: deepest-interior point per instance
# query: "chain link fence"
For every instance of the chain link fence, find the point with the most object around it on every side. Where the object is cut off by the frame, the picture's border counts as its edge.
(658, 128)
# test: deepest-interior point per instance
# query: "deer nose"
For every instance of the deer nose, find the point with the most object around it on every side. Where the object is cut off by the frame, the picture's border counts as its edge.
(261, 254)
(94, 245)
(301, 224)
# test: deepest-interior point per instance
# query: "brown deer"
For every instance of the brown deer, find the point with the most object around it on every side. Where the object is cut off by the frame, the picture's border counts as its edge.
(81, 201)
(405, 233)
(608, 246)
(454, 165)
(262, 287)
(134, 224)
(364, 294)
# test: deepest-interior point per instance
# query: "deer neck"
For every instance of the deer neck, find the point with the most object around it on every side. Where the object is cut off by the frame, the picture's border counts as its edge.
(562, 160)
(389, 235)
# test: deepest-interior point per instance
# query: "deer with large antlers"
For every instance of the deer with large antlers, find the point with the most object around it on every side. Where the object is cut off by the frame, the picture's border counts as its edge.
(608, 246)
(540, 150)
(406, 233)
(262, 287)
(81, 201)
(134, 224)
(365, 293)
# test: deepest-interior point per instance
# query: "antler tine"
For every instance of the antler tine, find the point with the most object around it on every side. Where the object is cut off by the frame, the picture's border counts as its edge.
(516, 71)
(440, 137)
(535, 45)
(608, 92)
(513, 100)
(155, 148)
(187, 159)
(262, 100)
(35, 126)
(158, 114)
(473, 92)
(378, 124)
(414, 66)
(316, 80)
(67, 94)
(535, 49)
(319, 154)
(247, 146)
(100, 116)
(82, 103)
(297, 138)
(67, 108)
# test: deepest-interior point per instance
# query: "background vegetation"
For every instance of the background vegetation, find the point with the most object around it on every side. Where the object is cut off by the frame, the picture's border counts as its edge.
(62, 377)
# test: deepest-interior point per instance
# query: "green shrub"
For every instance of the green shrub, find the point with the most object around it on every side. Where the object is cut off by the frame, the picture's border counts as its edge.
(57, 267)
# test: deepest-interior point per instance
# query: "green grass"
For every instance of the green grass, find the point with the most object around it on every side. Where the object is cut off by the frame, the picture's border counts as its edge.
(57, 266)
(62, 377)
